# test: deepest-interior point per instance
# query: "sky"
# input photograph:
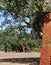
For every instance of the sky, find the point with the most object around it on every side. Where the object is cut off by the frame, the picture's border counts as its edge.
(1, 18)
(10, 18)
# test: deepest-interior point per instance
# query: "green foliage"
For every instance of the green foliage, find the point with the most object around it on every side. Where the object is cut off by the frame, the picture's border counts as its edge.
(36, 5)
(23, 8)
(16, 34)
(16, 7)
(47, 8)
(9, 38)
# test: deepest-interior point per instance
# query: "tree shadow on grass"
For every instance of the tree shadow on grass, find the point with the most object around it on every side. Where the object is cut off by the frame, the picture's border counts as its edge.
(32, 61)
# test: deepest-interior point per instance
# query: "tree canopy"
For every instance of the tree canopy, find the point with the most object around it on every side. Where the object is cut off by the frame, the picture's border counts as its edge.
(25, 8)
(28, 12)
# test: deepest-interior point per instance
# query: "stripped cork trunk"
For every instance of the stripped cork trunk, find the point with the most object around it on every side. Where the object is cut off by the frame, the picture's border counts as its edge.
(45, 57)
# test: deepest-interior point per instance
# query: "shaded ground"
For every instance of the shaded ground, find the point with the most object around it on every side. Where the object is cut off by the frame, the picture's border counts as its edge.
(13, 58)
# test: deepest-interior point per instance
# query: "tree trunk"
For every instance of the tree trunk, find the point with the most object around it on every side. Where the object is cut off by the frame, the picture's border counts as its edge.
(5, 48)
(45, 58)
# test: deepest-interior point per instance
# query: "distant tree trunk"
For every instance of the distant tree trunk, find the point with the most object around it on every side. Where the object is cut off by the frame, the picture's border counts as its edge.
(24, 48)
(5, 47)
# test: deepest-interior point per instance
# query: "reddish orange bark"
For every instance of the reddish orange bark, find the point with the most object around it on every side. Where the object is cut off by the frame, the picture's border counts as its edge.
(45, 58)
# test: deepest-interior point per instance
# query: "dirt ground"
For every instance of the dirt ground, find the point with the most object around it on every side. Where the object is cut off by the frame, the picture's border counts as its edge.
(8, 63)
(13, 58)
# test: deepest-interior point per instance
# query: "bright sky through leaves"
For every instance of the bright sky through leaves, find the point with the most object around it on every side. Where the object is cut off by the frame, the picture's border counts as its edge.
(10, 18)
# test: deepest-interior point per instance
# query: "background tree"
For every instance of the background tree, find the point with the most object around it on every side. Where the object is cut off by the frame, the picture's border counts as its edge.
(19, 11)
(32, 9)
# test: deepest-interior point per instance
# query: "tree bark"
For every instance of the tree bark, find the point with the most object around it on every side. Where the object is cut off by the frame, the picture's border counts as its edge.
(45, 57)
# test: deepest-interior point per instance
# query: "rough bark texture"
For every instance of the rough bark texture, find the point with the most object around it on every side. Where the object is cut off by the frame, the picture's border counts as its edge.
(45, 58)
(48, 1)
